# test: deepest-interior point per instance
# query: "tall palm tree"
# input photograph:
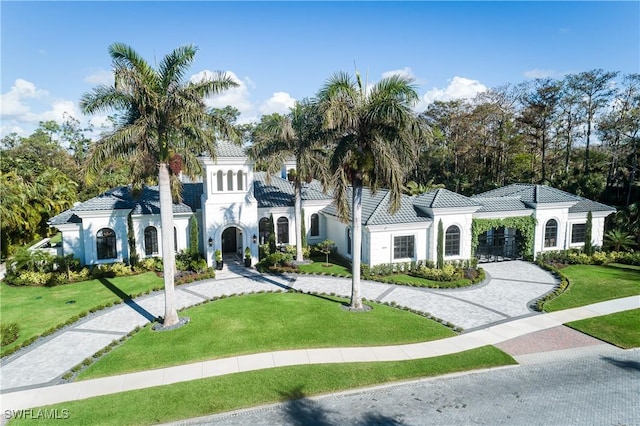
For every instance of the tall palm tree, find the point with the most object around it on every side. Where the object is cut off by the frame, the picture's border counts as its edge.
(375, 132)
(163, 128)
(278, 138)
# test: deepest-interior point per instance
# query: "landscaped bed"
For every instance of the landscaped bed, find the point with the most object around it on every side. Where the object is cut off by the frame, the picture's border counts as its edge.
(265, 322)
(224, 393)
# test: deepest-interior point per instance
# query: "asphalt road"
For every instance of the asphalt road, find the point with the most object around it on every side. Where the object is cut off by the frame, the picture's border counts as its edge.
(598, 389)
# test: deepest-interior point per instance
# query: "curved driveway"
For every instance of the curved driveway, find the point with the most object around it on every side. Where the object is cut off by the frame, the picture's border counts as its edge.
(509, 289)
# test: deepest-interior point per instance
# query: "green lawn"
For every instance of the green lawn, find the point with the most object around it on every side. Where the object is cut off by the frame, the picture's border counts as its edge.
(219, 394)
(591, 284)
(621, 329)
(38, 309)
(404, 279)
(320, 267)
(265, 322)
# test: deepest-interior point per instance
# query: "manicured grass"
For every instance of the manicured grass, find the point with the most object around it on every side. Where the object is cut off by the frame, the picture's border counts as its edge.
(404, 279)
(621, 329)
(592, 284)
(325, 268)
(219, 394)
(265, 322)
(38, 309)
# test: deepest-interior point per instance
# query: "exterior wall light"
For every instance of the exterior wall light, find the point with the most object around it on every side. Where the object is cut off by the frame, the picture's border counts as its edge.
(210, 242)
(255, 239)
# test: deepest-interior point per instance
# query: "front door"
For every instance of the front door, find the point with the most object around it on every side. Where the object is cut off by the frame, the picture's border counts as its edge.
(229, 240)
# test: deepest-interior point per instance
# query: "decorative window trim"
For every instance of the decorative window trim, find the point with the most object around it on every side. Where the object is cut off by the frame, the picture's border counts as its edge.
(452, 240)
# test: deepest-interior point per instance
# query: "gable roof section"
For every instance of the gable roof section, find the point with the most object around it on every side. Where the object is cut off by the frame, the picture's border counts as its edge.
(443, 199)
(122, 198)
(532, 194)
(500, 204)
(279, 192)
(375, 209)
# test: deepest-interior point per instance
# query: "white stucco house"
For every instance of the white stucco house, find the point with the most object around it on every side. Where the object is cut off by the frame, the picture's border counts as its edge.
(234, 204)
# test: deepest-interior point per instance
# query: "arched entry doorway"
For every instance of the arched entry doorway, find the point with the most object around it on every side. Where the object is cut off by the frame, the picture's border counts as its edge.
(231, 240)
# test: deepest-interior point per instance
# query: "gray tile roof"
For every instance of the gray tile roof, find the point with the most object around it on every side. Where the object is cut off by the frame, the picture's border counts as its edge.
(375, 209)
(122, 198)
(533, 194)
(226, 149)
(442, 199)
(278, 192)
(500, 204)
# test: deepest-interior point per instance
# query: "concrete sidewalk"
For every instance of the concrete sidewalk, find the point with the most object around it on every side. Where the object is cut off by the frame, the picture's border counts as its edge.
(490, 336)
(505, 295)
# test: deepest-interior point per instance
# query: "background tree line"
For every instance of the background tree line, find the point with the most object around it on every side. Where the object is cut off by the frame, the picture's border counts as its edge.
(579, 133)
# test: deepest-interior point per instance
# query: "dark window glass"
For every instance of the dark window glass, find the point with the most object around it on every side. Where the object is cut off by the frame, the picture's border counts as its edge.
(403, 247)
(315, 225)
(150, 241)
(452, 241)
(283, 230)
(578, 232)
(106, 244)
(551, 233)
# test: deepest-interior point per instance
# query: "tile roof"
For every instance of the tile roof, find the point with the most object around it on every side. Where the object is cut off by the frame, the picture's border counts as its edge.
(500, 204)
(226, 149)
(442, 199)
(122, 198)
(278, 192)
(532, 194)
(375, 209)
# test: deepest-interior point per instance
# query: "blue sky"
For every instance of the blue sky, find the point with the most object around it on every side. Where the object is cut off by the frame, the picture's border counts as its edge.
(279, 52)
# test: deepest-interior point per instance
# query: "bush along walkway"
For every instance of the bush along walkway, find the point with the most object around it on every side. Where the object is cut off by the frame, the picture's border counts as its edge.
(506, 294)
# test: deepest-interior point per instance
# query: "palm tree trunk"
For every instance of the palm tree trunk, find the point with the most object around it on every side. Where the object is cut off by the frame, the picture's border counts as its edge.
(297, 211)
(356, 239)
(168, 256)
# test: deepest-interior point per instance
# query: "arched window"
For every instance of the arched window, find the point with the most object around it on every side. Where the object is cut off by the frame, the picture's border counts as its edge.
(219, 181)
(452, 241)
(106, 244)
(348, 240)
(229, 180)
(150, 241)
(283, 230)
(315, 225)
(264, 229)
(551, 233)
(240, 180)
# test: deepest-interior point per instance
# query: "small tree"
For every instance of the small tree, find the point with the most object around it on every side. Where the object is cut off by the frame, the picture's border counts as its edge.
(588, 247)
(440, 248)
(303, 235)
(272, 235)
(193, 235)
(326, 247)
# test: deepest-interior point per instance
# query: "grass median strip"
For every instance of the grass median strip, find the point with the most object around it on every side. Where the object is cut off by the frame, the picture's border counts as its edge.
(591, 284)
(265, 322)
(620, 329)
(219, 394)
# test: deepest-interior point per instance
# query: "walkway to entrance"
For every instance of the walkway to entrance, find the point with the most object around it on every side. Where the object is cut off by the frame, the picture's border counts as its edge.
(506, 294)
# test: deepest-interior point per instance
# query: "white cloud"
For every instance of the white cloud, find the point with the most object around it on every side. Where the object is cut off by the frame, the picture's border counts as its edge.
(404, 72)
(279, 102)
(237, 97)
(12, 103)
(25, 105)
(536, 73)
(100, 77)
(458, 88)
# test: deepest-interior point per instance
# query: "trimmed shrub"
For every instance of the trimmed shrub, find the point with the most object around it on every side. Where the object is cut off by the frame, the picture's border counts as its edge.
(9, 332)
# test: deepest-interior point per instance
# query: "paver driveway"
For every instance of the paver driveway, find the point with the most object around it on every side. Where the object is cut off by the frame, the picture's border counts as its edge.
(509, 288)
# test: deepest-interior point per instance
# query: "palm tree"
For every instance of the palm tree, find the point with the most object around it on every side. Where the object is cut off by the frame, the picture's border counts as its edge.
(163, 129)
(617, 239)
(375, 133)
(279, 137)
